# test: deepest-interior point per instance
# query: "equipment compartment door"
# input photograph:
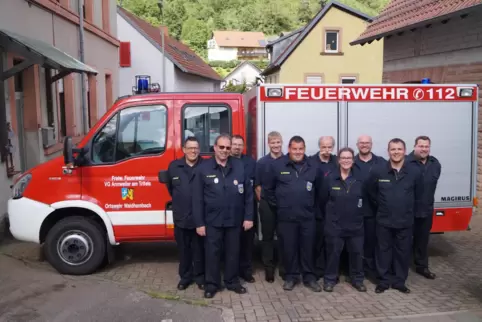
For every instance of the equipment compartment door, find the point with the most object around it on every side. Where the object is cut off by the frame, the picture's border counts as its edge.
(309, 120)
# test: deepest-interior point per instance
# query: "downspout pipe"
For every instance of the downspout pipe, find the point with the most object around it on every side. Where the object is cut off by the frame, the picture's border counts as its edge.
(85, 112)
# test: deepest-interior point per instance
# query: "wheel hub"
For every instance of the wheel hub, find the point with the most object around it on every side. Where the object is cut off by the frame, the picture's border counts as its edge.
(75, 247)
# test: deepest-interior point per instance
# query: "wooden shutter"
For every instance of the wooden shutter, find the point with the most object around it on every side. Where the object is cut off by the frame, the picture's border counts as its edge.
(125, 54)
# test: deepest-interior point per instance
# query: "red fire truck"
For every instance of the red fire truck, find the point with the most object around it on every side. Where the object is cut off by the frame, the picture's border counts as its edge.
(105, 191)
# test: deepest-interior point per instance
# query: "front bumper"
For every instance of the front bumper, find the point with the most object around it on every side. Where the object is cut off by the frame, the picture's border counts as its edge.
(26, 217)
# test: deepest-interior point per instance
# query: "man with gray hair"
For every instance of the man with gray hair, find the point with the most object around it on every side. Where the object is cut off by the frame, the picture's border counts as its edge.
(326, 162)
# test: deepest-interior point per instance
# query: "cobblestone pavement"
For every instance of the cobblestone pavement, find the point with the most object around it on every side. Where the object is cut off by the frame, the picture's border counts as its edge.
(455, 258)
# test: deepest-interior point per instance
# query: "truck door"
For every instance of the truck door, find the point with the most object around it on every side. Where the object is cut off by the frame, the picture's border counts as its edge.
(126, 155)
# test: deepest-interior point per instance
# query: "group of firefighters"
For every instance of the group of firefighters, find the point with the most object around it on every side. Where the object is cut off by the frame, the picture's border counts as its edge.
(359, 212)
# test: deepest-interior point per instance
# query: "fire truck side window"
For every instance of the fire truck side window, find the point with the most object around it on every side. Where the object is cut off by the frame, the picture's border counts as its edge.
(206, 123)
(140, 131)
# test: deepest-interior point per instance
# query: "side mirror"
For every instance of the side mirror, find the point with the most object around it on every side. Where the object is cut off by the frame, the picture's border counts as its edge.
(163, 176)
(68, 152)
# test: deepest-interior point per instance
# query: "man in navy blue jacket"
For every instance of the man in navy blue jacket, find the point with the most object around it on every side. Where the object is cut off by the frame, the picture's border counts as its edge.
(222, 207)
(190, 244)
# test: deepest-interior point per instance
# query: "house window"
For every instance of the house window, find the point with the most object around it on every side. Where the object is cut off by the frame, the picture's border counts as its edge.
(315, 79)
(211, 44)
(108, 91)
(331, 41)
(348, 80)
(206, 123)
(63, 119)
(49, 98)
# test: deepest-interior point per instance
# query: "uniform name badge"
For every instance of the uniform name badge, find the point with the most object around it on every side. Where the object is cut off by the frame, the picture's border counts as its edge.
(309, 186)
(240, 188)
(360, 203)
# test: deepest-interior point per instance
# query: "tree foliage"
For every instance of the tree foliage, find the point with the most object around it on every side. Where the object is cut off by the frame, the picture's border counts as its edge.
(193, 21)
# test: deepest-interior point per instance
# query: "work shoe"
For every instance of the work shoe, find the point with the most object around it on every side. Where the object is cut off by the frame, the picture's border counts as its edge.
(360, 287)
(269, 276)
(380, 289)
(289, 285)
(426, 273)
(237, 289)
(328, 287)
(248, 278)
(314, 286)
(402, 289)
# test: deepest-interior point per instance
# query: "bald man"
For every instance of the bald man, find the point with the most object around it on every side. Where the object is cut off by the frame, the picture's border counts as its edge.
(327, 162)
(365, 162)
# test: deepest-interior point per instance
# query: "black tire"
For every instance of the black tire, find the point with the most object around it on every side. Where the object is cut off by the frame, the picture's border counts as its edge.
(89, 230)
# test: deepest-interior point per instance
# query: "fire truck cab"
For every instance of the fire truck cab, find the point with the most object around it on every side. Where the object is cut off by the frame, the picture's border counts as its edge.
(106, 190)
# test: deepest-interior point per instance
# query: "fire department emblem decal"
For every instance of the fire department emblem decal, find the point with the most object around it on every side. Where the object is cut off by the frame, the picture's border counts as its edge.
(127, 193)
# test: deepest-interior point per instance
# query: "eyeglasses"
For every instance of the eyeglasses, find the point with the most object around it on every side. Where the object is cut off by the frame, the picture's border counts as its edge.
(223, 147)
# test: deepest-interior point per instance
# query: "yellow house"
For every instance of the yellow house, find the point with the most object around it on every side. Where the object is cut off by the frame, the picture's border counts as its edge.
(321, 51)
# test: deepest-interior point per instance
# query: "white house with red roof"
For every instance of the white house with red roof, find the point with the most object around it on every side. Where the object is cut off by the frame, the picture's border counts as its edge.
(141, 54)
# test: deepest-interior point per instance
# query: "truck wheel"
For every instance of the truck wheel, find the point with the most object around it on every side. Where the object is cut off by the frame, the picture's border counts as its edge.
(75, 246)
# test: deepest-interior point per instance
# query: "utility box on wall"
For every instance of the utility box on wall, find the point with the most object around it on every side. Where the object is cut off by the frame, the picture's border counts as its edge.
(48, 136)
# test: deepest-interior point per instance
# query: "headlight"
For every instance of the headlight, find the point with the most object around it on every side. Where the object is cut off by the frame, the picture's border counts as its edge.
(20, 186)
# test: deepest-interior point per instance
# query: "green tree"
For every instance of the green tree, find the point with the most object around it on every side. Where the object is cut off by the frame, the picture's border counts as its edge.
(195, 34)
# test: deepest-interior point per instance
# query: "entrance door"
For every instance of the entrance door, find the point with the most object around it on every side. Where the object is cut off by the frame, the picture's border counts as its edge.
(126, 155)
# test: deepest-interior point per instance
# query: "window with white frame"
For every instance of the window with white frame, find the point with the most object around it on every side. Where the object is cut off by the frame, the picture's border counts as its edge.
(211, 44)
(314, 79)
(348, 80)
(332, 41)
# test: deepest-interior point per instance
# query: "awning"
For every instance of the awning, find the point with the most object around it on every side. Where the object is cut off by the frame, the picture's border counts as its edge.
(34, 52)
(42, 53)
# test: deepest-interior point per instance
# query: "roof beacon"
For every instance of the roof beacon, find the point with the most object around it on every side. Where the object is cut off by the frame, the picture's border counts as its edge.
(426, 81)
(144, 85)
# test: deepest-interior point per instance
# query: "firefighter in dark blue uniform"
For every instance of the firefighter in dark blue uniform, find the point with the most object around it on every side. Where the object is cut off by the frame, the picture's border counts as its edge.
(190, 244)
(365, 162)
(222, 207)
(343, 198)
(267, 208)
(296, 182)
(397, 190)
(431, 169)
(326, 161)
(247, 236)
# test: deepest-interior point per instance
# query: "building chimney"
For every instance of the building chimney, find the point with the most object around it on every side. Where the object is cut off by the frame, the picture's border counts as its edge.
(164, 29)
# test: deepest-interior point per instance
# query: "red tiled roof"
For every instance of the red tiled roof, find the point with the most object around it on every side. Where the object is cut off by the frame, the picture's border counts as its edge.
(402, 14)
(181, 55)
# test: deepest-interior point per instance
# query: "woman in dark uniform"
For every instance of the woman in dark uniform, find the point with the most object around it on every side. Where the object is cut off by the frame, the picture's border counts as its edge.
(342, 202)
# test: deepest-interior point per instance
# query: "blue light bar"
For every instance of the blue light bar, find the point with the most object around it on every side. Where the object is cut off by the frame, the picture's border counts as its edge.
(426, 81)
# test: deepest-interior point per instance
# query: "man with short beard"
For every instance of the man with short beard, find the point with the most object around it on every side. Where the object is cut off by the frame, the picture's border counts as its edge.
(397, 191)
(189, 243)
(431, 169)
(365, 162)
(247, 236)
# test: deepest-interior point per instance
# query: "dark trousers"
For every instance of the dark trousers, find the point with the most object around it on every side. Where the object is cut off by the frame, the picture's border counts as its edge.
(191, 253)
(296, 243)
(246, 252)
(394, 247)
(319, 249)
(222, 239)
(334, 247)
(247, 245)
(268, 218)
(421, 235)
(369, 244)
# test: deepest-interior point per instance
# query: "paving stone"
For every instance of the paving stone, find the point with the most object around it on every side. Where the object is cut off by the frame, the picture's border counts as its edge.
(454, 257)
